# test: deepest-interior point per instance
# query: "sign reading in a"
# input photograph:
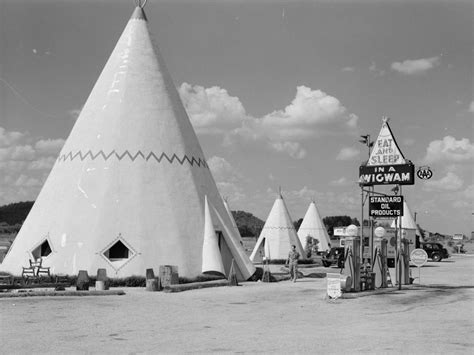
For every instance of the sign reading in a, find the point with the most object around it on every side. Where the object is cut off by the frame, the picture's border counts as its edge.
(388, 174)
(386, 206)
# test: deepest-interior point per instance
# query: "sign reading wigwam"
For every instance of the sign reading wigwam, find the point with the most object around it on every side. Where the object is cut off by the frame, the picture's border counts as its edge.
(389, 174)
(386, 164)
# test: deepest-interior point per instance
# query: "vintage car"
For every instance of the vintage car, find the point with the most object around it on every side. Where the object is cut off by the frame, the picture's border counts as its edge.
(435, 251)
(335, 256)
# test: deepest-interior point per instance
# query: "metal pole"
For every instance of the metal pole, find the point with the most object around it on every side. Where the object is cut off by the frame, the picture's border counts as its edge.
(362, 226)
(362, 211)
(396, 251)
(371, 244)
(399, 250)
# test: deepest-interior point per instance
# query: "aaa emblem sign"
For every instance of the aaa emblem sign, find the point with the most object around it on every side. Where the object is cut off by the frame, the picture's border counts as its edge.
(424, 172)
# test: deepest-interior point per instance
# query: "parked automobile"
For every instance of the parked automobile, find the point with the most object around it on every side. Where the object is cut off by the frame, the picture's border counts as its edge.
(335, 256)
(435, 251)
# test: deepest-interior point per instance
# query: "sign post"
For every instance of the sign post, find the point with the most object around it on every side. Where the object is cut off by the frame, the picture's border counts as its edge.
(459, 238)
(418, 257)
(334, 286)
(386, 166)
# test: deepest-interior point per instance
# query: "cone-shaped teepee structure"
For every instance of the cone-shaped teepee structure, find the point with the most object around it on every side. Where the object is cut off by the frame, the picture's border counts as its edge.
(211, 254)
(407, 221)
(278, 234)
(234, 224)
(313, 226)
(127, 191)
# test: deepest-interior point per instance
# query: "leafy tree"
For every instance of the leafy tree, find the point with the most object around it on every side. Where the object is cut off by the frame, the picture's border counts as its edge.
(338, 221)
(311, 246)
(15, 213)
(249, 226)
(297, 223)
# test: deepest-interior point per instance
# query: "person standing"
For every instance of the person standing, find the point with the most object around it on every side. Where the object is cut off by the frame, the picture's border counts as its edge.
(292, 262)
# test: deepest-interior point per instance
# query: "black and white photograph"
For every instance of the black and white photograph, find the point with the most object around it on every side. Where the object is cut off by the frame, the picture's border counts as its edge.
(236, 176)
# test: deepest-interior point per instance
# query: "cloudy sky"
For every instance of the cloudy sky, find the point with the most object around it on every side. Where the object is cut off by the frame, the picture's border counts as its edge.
(278, 93)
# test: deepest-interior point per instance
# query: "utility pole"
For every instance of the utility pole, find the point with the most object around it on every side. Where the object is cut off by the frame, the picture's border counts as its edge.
(365, 140)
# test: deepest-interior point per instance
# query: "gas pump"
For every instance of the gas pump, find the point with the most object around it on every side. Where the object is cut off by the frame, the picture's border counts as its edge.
(379, 265)
(352, 261)
(405, 264)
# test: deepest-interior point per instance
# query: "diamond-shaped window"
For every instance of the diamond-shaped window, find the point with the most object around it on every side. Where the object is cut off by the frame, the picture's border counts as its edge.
(118, 251)
(42, 250)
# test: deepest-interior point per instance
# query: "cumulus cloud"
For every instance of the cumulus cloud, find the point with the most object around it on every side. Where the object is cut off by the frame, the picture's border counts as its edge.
(373, 68)
(8, 138)
(329, 203)
(348, 153)
(449, 149)
(42, 163)
(49, 146)
(348, 69)
(222, 170)
(471, 107)
(74, 113)
(312, 113)
(450, 182)
(25, 163)
(27, 181)
(293, 149)
(211, 110)
(19, 153)
(415, 66)
(341, 182)
(298, 195)
(231, 191)
(463, 199)
(228, 179)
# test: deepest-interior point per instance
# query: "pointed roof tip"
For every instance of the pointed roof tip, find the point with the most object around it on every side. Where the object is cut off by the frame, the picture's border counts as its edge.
(138, 14)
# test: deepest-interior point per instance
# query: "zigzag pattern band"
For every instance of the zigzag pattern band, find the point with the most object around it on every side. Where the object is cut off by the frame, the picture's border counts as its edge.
(150, 156)
(281, 228)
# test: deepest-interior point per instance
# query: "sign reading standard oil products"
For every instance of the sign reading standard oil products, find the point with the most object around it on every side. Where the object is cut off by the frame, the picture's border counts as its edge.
(385, 206)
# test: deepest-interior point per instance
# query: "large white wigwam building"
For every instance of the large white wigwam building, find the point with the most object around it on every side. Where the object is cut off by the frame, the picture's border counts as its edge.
(313, 226)
(128, 189)
(278, 234)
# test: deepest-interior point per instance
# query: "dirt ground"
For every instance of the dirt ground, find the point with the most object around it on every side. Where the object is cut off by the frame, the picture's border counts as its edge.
(435, 317)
